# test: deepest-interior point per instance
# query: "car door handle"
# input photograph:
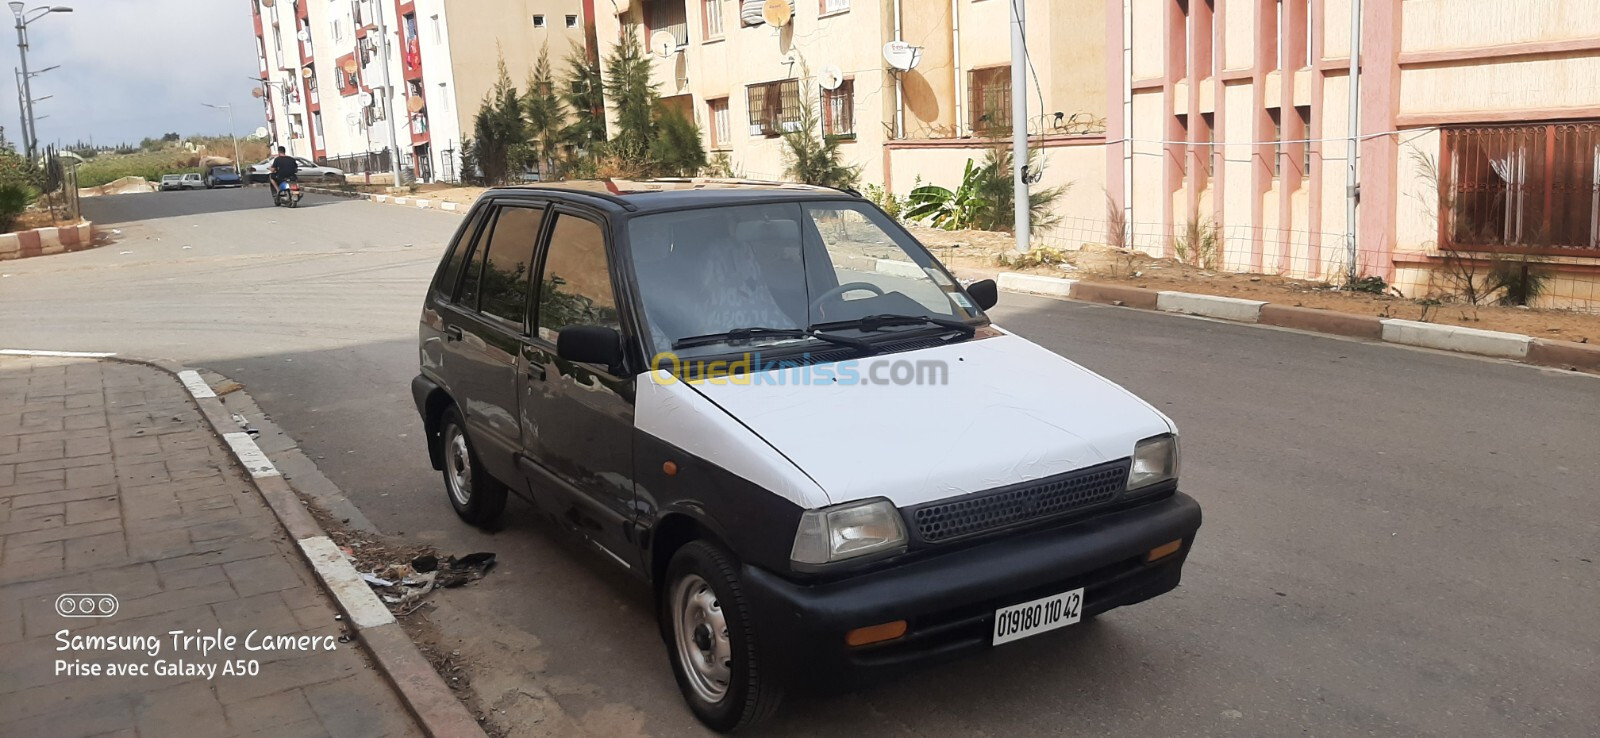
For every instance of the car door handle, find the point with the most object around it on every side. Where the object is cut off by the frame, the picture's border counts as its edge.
(452, 333)
(536, 372)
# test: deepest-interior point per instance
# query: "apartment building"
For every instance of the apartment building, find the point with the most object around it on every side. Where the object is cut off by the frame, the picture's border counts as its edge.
(744, 79)
(1476, 138)
(324, 91)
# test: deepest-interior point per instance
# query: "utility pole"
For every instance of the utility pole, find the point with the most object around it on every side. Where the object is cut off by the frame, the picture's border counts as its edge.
(1019, 122)
(22, 48)
(229, 107)
(22, 111)
(388, 97)
(1352, 186)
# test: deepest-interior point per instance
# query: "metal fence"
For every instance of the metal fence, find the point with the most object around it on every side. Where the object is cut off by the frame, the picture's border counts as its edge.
(371, 162)
(1447, 275)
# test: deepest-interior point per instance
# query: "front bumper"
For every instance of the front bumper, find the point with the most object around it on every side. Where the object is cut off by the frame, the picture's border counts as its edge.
(949, 600)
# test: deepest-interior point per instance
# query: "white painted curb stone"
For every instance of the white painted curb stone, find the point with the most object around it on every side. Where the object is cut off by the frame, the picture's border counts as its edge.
(1456, 338)
(424, 204)
(449, 206)
(366, 610)
(1035, 284)
(196, 386)
(1224, 308)
(250, 455)
(380, 198)
(899, 269)
(400, 201)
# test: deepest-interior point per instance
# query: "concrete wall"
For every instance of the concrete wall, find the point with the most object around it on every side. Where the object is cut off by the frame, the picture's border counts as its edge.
(481, 33)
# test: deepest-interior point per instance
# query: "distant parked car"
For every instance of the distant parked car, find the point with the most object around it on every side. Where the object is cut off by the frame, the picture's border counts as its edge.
(309, 172)
(191, 181)
(222, 175)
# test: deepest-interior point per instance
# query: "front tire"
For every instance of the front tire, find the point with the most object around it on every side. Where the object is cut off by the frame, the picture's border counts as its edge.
(711, 640)
(478, 498)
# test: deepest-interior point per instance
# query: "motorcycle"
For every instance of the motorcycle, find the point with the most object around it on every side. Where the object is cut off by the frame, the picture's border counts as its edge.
(287, 194)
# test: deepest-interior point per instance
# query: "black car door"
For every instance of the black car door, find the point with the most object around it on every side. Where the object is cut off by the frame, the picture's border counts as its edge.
(483, 335)
(577, 419)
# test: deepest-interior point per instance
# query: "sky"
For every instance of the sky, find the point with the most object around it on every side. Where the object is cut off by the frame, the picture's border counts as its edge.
(136, 68)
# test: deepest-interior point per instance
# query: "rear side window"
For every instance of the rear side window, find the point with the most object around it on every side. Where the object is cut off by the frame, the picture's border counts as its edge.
(505, 279)
(575, 287)
(451, 274)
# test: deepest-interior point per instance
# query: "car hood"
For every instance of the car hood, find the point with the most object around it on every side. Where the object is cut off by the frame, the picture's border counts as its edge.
(1010, 412)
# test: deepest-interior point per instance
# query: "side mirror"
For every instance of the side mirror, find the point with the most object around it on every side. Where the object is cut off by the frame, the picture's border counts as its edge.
(985, 292)
(590, 344)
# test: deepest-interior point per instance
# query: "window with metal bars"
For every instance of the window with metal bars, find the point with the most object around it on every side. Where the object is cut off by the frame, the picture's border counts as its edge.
(1521, 188)
(711, 18)
(990, 90)
(774, 107)
(839, 110)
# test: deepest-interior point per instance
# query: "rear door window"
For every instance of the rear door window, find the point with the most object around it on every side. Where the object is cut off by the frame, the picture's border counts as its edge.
(507, 270)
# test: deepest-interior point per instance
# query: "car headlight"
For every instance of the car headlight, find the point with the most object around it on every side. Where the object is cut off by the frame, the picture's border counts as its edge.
(847, 531)
(1155, 460)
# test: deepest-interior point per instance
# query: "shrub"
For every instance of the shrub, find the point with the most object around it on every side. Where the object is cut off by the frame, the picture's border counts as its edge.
(815, 159)
(14, 199)
(676, 149)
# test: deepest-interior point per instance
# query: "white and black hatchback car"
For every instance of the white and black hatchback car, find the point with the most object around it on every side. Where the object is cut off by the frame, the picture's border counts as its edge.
(778, 410)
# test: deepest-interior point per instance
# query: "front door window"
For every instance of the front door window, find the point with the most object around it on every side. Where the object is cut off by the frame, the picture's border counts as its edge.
(575, 288)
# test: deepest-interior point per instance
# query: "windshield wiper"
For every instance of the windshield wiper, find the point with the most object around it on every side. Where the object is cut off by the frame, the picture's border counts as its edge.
(738, 335)
(878, 322)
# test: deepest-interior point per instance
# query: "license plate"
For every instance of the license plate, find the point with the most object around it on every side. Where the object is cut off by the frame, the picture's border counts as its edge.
(1041, 615)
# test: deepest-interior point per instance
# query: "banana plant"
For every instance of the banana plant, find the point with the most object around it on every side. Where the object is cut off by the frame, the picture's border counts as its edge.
(946, 209)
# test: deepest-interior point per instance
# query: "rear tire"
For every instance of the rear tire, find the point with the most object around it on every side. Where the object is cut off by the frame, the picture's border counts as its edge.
(711, 640)
(478, 498)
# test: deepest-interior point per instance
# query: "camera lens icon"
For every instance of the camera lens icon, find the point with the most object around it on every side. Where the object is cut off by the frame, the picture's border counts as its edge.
(87, 605)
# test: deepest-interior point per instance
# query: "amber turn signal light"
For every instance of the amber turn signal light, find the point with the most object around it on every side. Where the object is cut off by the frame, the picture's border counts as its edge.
(1164, 550)
(875, 633)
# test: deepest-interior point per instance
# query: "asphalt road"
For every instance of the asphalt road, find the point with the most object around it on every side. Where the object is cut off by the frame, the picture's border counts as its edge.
(1396, 541)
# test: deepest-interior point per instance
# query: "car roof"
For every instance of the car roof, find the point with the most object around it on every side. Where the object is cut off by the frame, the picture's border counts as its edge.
(655, 195)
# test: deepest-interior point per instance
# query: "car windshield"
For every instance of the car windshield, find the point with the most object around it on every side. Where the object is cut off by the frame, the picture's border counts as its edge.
(767, 273)
(222, 170)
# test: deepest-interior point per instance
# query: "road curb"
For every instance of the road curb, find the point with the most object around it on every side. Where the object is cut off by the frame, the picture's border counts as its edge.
(437, 711)
(1456, 339)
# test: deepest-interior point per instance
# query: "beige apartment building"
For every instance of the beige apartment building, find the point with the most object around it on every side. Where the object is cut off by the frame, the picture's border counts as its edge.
(744, 79)
(1477, 135)
(480, 33)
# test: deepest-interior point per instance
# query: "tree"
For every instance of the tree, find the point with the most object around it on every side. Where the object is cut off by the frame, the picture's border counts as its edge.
(546, 117)
(984, 198)
(498, 129)
(584, 95)
(633, 94)
(813, 158)
(677, 149)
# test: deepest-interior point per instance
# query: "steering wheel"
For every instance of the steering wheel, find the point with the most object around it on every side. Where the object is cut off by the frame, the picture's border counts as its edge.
(816, 305)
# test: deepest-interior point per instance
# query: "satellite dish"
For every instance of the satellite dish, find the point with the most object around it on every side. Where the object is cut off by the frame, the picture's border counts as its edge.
(306, 72)
(366, 99)
(266, 3)
(415, 104)
(790, 59)
(256, 92)
(303, 35)
(777, 13)
(830, 77)
(352, 118)
(901, 55)
(663, 43)
(350, 65)
(261, 132)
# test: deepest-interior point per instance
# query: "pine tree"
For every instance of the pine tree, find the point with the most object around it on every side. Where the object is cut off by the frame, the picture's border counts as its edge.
(499, 131)
(629, 87)
(813, 158)
(677, 149)
(584, 95)
(546, 117)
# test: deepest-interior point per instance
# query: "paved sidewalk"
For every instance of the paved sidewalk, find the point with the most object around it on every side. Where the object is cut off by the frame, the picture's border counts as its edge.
(111, 482)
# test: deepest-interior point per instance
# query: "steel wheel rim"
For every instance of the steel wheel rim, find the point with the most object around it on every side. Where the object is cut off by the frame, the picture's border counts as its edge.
(700, 632)
(458, 466)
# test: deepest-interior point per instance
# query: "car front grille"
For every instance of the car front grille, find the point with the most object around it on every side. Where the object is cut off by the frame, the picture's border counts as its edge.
(1028, 502)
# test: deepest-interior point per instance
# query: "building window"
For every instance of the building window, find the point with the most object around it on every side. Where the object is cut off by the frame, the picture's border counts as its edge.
(538, 21)
(774, 107)
(721, 137)
(990, 91)
(669, 15)
(438, 35)
(338, 31)
(1304, 113)
(839, 110)
(1522, 188)
(1208, 123)
(833, 6)
(572, 21)
(1277, 141)
(711, 18)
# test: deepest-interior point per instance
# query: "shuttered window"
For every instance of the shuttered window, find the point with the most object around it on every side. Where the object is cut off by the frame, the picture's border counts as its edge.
(1521, 188)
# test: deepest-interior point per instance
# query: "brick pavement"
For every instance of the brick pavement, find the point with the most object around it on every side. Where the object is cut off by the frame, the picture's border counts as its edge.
(110, 482)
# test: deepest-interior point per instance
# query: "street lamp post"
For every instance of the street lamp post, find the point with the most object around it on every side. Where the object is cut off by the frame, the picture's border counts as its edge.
(229, 107)
(22, 46)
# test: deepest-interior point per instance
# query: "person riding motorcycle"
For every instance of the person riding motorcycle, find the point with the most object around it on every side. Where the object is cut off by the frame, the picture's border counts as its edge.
(284, 169)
